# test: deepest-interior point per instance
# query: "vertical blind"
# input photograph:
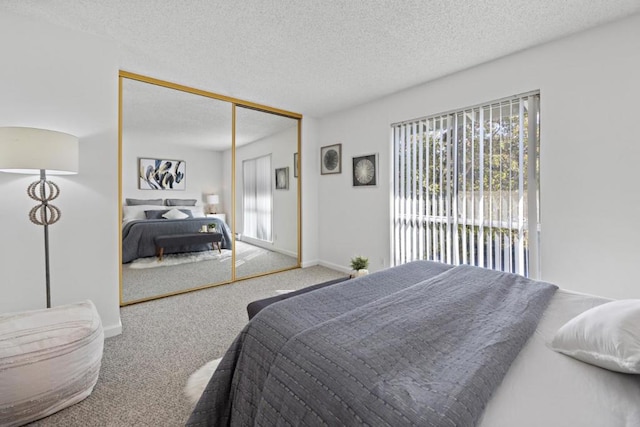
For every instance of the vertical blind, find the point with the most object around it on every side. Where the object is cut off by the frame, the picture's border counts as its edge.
(466, 187)
(257, 198)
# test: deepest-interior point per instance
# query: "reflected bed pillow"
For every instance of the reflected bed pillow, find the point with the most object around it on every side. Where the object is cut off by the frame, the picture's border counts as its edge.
(158, 214)
(137, 202)
(175, 214)
(196, 211)
(607, 336)
(130, 213)
(180, 202)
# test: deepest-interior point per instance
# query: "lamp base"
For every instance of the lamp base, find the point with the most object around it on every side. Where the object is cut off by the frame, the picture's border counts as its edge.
(44, 214)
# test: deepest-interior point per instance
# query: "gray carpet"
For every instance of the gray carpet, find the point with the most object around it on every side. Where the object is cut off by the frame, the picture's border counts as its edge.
(149, 282)
(145, 369)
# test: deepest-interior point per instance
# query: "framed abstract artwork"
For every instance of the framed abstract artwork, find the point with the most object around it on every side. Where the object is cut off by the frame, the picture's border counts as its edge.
(282, 178)
(331, 159)
(365, 171)
(160, 174)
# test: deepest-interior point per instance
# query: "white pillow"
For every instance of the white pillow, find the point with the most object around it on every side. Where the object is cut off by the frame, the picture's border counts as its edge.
(607, 336)
(175, 214)
(196, 211)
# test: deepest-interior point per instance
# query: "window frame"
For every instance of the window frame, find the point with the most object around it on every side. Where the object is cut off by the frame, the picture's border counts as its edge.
(412, 214)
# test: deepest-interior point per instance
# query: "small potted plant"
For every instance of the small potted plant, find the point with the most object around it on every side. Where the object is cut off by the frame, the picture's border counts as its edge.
(212, 227)
(359, 265)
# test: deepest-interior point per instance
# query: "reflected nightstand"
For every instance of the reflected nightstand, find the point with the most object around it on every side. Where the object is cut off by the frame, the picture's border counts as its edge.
(222, 217)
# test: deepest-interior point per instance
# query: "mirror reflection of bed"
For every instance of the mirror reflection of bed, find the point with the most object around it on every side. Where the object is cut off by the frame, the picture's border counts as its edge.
(160, 123)
(177, 151)
(148, 273)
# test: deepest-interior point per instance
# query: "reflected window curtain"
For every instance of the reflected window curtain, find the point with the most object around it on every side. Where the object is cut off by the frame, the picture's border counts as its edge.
(257, 199)
(263, 198)
(249, 198)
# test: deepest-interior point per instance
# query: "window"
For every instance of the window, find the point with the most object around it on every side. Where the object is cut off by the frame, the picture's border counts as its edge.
(257, 198)
(466, 187)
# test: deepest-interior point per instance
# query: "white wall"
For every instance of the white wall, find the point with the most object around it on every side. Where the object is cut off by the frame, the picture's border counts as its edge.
(310, 170)
(203, 170)
(589, 153)
(227, 193)
(57, 79)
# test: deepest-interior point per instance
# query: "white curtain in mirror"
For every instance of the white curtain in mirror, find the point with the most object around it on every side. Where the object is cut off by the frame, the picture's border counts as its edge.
(258, 198)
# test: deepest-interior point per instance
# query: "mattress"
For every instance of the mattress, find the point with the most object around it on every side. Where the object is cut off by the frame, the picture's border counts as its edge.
(546, 388)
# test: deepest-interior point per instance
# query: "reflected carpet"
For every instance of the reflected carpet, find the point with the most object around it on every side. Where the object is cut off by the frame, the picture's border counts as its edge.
(148, 277)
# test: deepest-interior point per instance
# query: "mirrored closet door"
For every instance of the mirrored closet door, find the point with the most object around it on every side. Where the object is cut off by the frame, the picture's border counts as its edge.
(208, 194)
(266, 192)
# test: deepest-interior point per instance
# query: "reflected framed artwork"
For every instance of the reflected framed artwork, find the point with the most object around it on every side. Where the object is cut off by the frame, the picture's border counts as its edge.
(282, 178)
(331, 159)
(160, 174)
(365, 171)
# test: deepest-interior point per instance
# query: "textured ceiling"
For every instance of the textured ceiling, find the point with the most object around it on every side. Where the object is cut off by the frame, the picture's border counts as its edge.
(318, 57)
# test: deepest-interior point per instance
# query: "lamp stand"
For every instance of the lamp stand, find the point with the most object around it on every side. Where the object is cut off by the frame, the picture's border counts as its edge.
(44, 214)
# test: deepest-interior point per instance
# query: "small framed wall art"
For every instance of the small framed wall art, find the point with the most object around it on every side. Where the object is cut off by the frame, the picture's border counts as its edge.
(365, 170)
(160, 174)
(331, 159)
(282, 178)
(296, 160)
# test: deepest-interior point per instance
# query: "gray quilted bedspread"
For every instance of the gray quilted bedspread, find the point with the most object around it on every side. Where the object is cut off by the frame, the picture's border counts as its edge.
(138, 236)
(420, 344)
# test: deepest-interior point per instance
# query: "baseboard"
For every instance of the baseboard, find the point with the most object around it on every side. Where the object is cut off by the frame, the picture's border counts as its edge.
(270, 246)
(285, 252)
(113, 330)
(256, 242)
(335, 266)
(305, 264)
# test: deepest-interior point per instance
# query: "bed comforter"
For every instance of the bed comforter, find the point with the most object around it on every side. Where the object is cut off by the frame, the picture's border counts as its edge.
(138, 236)
(420, 344)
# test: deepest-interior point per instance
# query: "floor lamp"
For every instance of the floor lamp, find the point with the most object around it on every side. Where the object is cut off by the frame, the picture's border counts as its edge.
(33, 151)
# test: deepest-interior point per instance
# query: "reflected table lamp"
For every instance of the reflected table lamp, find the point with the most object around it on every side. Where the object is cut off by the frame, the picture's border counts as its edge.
(212, 200)
(33, 151)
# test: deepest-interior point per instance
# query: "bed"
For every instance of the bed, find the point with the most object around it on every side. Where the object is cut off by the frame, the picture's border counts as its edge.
(142, 223)
(418, 344)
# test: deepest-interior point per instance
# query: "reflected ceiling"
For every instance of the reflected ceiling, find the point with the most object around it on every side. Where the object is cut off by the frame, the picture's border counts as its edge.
(171, 116)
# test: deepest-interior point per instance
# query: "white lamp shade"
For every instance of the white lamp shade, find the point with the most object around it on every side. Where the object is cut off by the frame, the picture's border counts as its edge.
(28, 150)
(213, 199)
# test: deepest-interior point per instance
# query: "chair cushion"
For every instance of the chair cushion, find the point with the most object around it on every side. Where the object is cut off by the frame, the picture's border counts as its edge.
(49, 359)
